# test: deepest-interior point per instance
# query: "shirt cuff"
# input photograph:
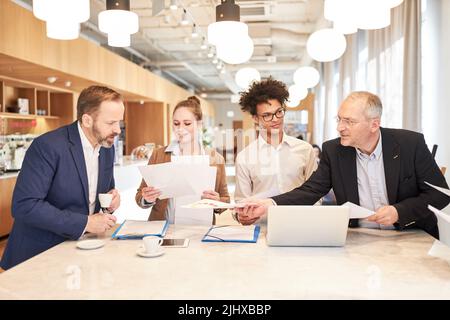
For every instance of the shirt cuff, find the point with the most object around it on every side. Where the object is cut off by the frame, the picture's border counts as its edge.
(84, 231)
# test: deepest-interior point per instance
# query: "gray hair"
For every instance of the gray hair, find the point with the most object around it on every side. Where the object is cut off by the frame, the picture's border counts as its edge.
(373, 106)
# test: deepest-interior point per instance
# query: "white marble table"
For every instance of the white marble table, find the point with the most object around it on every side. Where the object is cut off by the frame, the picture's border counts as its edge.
(373, 265)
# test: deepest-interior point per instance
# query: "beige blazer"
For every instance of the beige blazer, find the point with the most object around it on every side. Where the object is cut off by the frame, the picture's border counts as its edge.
(160, 156)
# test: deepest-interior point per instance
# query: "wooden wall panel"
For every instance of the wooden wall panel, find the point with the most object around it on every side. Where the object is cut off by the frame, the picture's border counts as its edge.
(6, 220)
(144, 124)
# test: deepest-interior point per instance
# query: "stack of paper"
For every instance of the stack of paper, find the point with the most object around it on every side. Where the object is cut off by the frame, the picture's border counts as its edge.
(232, 234)
(358, 212)
(213, 204)
(133, 229)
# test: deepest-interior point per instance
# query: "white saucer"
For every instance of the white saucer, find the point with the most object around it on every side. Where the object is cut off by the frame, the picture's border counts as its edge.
(141, 252)
(90, 244)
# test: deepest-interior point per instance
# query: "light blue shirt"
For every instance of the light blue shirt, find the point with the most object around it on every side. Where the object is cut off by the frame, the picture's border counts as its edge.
(372, 189)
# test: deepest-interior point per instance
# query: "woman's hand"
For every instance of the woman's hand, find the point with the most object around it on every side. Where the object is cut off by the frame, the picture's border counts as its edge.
(211, 194)
(150, 194)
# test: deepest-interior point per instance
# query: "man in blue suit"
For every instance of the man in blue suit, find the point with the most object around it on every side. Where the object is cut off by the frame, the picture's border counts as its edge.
(56, 194)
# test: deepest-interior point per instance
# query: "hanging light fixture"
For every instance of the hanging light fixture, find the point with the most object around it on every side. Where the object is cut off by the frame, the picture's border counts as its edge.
(229, 35)
(245, 76)
(227, 26)
(394, 3)
(238, 52)
(62, 17)
(373, 14)
(184, 18)
(326, 45)
(118, 22)
(194, 33)
(306, 77)
(173, 5)
(211, 52)
(204, 45)
(297, 93)
(349, 15)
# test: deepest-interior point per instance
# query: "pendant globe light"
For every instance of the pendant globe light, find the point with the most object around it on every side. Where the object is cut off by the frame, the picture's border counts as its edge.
(227, 26)
(118, 22)
(297, 93)
(306, 77)
(62, 17)
(229, 35)
(240, 51)
(326, 45)
(246, 76)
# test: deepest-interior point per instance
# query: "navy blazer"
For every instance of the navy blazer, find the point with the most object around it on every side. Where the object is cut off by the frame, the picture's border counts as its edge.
(51, 199)
(407, 165)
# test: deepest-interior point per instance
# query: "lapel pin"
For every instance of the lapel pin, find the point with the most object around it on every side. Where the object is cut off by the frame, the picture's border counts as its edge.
(396, 156)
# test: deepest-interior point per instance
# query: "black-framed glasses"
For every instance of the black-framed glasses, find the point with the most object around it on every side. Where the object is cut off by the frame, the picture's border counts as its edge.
(269, 116)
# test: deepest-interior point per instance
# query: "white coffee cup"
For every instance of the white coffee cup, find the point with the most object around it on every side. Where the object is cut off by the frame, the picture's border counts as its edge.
(152, 244)
(105, 200)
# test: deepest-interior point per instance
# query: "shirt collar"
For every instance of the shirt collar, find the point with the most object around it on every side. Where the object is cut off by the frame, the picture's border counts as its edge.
(375, 154)
(85, 141)
(286, 139)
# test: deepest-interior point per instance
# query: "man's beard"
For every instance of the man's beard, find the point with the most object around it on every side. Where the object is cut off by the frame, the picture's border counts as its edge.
(103, 141)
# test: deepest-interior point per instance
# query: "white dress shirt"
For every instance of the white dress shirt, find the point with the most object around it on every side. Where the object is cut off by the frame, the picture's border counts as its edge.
(263, 170)
(372, 189)
(91, 155)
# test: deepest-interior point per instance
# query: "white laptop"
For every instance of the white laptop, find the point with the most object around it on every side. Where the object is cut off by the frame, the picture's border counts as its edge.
(309, 226)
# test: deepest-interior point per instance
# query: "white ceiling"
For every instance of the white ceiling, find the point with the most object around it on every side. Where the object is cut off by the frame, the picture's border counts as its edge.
(279, 30)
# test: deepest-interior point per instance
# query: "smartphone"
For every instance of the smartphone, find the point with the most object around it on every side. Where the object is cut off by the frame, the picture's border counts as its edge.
(175, 243)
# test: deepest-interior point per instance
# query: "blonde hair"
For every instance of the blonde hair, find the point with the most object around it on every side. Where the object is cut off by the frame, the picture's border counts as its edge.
(193, 104)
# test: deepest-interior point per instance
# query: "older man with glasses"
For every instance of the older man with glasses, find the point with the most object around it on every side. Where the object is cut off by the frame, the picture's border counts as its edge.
(273, 163)
(380, 169)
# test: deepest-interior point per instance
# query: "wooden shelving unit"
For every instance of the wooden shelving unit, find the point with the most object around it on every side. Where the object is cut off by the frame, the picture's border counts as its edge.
(24, 116)
(49, 107)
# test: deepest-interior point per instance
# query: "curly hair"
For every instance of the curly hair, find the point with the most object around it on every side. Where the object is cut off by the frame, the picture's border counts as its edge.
(260, 92)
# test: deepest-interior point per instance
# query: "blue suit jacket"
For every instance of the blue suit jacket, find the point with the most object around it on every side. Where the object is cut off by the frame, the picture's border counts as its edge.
(51, 200)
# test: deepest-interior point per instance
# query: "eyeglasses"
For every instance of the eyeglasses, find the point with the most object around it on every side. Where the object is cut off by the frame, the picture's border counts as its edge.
(347, 122)
(269, 116)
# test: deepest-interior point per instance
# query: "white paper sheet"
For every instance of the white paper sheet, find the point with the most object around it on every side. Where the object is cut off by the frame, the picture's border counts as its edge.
(201, 177)
(167, 178)
(443, 225)
(440, 250)
(443, 190)
(358, 212)
(179, 179)
(190, 216)
(236, 233)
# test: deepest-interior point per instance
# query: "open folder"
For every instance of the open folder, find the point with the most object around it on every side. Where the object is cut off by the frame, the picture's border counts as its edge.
(232, 234)
(134, 229)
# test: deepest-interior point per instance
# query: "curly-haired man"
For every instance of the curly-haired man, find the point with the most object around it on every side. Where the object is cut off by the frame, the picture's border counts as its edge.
(273, 163)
